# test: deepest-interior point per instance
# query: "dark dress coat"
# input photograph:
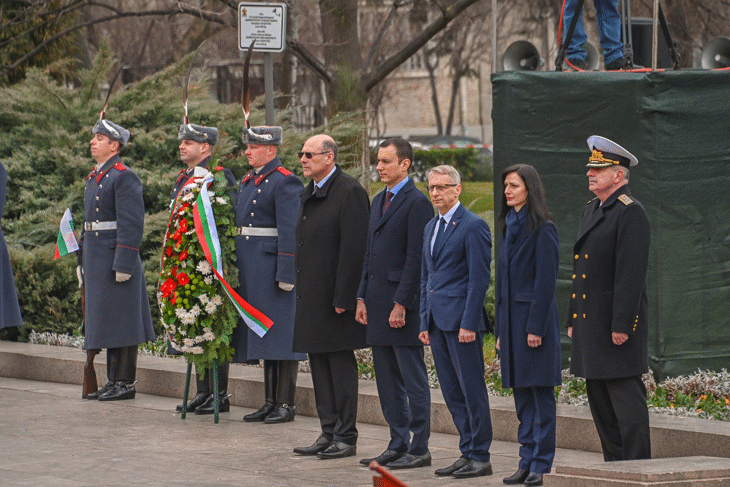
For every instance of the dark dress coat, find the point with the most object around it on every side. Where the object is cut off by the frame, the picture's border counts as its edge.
(392, 269)
(269, 199)
(9, 307)
(527, 271)
(331, 236)
(117, 313)
(611, 259)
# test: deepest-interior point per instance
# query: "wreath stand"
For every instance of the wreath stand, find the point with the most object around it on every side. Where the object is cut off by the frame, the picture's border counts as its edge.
(216, 396)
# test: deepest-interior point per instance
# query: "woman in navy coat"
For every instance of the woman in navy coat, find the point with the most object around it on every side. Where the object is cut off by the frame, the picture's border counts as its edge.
(528, 334)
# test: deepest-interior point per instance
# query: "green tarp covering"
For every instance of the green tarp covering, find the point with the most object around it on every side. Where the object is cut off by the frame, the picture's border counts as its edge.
(678, 125)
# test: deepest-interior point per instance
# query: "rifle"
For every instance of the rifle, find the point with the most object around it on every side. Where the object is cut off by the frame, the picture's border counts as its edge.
(89, 385)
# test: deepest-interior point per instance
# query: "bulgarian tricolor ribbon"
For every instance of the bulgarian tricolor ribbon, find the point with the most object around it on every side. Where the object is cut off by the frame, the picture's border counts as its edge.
(208, 236)
(66, 240)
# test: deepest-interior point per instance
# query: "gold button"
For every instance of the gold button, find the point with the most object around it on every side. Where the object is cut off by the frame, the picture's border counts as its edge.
(576, 256)
(584, 315)
(575, 315)
(584, 296)
(586, 256)
(584, 276)
(573, 295)
(573, 276)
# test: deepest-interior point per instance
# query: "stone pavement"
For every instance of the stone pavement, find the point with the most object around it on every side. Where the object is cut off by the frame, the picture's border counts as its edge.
(52, 437)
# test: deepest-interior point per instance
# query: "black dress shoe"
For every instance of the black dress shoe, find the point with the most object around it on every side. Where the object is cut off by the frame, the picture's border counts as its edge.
(95, 395)
(412, 461)
(338, 449)
(261, 414)
(282, 413)
(516, 478)
(121, 390)
(208, 405)
(320, 444)
(473, 469)
(534, 479)
(197, 401)
(460, 463)
(384, 458)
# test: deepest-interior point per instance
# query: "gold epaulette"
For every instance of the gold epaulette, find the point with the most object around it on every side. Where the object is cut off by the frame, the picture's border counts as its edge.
(625, 200)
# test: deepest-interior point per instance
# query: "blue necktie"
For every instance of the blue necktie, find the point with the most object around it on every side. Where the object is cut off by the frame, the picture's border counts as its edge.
(439, 235)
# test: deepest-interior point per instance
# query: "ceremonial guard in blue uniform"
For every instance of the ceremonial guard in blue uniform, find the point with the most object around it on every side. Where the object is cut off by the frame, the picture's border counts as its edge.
(266, 216)
(196, 142)
(9, 308)
(117, 305)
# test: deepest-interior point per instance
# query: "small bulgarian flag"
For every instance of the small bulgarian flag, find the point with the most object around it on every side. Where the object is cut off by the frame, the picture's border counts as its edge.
(66, 241)
(208, 236)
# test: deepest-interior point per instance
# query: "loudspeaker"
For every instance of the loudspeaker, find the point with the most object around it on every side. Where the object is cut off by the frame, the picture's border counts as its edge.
(592, 60)
(716, 54)
(641, 37)
(521, 56)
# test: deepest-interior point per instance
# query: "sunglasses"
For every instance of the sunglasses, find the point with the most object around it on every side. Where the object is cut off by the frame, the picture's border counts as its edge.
(309, 155)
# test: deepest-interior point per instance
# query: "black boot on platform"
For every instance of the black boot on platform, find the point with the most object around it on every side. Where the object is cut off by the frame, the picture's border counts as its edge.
(122, 390)
(208, 406)
(112, 363)
(270, 372)
(203, 393)
(125, 374)
(285, 410)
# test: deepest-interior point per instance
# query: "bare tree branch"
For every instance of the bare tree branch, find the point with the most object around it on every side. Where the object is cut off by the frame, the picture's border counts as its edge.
(308, 58)
(370, 79)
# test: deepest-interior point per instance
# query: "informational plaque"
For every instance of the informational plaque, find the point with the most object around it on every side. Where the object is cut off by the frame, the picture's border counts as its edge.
(265, 22)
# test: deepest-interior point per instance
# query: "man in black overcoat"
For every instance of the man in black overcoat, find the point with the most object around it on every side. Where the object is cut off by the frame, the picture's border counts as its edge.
(117, 305)
(389, 305)
(330, 247)
(607, 317)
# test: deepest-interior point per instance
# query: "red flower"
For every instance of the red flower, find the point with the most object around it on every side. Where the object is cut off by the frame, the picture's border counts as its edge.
(173, 299)
(183, 255)
(168, 250)
(177, 236)
(183, 279)
(167, 287)
(174, 272)
(183, 226)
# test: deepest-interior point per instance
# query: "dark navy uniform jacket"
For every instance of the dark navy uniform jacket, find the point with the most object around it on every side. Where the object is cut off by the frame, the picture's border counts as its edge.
(9, 308)
(117, 313)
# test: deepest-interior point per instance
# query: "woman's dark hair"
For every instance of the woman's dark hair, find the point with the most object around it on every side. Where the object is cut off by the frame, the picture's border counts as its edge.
(536, 205)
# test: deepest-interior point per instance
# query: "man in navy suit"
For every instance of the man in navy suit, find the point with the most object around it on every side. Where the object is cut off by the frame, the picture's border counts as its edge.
(454, 280)
(388, 303)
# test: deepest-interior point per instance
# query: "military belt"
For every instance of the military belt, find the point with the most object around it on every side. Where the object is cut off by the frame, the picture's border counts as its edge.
(257, 232)
(96, 226)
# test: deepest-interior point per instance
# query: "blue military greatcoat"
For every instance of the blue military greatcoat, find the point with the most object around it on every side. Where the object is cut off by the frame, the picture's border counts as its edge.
(9, 308)
(117, 313)
(267, 200)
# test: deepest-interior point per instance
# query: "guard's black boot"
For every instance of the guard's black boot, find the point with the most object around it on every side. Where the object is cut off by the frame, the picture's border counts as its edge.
(270, 372)
(122, 389)
(208, 406)
(203, 393)
(112, 364)
(285, 410)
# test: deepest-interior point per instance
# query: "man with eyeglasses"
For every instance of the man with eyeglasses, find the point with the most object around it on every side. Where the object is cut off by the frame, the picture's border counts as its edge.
(266, 215)
(457, 249)
(117, 314)
(330, 247)
(388, 304)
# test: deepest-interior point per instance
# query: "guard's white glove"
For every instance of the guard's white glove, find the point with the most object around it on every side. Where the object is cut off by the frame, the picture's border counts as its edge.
(286, 286)
(200, 174)
(123, 276)
(80, 276)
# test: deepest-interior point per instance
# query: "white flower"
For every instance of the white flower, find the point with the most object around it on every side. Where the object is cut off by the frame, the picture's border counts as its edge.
(210, 307)
(220, 201)
(189, 342)
(207, 330)
(217, 300)
(195, 310)
(180, 312)
(208, 280)
(197, 350)
(209, 336)
(204, 268)
(182, 331)
(203, 299)
(188, 195)
(188, 319)
(190, 232)
(184, 264)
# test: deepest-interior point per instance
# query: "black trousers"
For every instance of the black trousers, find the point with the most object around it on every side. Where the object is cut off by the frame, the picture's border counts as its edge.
(619, 411)
(334, 376)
